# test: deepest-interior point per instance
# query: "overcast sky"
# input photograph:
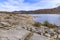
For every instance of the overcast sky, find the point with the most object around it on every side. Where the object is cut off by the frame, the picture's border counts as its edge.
(16, 5)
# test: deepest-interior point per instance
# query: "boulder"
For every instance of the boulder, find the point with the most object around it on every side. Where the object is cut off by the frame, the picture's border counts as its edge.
(14, 34)
(59, 36)
(47, 35)
(36, 36)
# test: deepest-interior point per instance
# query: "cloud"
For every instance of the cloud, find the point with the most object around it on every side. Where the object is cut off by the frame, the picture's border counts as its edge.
(12, 5)
(48, 3)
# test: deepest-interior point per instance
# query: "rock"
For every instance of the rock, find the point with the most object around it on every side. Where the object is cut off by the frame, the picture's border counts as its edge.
(38, 37)
(55, 36)
(59, 31)
(47, 35)
(20, 27)
(3, 38)
(59, 36)
(52, 30)
(1, 25)
(14, 34)
(5, 24)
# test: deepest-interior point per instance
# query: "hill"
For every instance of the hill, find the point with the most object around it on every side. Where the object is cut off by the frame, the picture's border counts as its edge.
(41, 11)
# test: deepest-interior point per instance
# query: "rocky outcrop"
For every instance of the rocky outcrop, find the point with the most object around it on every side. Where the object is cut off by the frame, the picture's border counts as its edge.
(13, 34)
(36, 36)
(20, 27)
(13, 20)
(13, 26)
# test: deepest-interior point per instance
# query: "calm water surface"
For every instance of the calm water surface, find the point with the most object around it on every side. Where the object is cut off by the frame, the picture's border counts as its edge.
(51, 18)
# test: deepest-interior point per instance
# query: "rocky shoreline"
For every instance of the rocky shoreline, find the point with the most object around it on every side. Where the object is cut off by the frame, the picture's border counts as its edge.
(20, 27)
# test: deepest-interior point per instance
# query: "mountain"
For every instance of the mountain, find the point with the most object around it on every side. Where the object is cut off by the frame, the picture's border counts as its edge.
(41, 11)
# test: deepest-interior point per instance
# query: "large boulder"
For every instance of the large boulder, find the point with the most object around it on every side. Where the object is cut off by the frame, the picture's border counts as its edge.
(36, 36)
(14, 34)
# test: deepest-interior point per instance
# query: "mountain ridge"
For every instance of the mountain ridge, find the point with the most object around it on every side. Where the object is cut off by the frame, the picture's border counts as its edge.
(55, 10)
(41, 11)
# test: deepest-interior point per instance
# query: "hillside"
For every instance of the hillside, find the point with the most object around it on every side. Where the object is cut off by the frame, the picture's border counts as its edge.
(41, 11)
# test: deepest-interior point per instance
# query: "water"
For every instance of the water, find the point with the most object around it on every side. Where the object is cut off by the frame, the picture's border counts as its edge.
(51, 18)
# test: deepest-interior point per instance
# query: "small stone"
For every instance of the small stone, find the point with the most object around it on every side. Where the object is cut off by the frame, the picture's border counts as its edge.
(59, 36)
(47, 35)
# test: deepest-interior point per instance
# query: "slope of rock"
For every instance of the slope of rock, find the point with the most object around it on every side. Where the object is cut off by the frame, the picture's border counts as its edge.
(12, 20)
(38, 37)
(18, 27)
(11, 26)
(13, 34)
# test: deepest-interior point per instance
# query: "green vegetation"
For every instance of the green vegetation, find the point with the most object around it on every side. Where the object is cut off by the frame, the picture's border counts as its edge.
(37, 24)
(10, 15)
(47, 24)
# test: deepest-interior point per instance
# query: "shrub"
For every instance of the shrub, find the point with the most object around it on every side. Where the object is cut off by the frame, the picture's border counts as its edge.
(47, 24)
(54, 25)
(37, 24)
(10, 15)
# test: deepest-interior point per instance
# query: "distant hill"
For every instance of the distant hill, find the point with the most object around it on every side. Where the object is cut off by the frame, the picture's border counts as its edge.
(41, 11)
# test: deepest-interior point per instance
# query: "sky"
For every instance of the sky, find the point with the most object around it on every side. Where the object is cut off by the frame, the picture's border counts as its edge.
(17, 5)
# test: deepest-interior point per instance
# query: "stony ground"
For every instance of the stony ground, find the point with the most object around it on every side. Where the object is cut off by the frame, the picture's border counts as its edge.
(20, 27)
